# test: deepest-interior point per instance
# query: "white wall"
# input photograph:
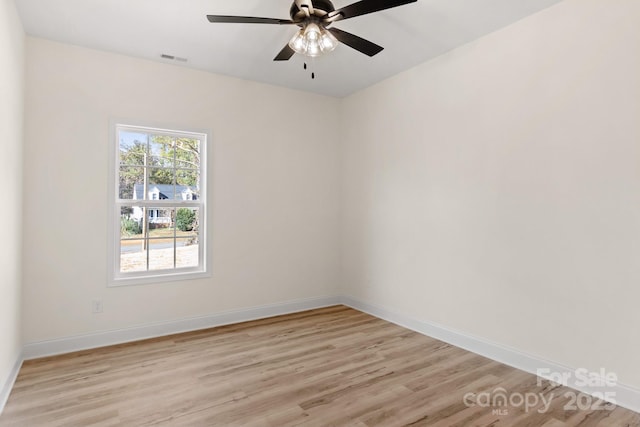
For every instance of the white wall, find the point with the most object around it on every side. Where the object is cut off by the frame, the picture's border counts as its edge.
(496, 189)
(274, 190)
(11, 139)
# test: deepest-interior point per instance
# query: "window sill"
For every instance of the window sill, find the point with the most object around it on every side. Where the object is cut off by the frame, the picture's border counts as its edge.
(159, 278)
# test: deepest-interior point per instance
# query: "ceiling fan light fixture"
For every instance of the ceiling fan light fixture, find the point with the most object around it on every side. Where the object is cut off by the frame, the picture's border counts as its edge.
(313, 41)
(298, 43)
(313, 49)
(312, 32)
(328, 42)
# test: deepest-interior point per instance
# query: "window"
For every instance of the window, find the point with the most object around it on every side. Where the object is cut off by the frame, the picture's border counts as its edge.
(158, 233)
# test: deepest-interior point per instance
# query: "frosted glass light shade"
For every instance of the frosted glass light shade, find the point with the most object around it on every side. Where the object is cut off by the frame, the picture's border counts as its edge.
(297, 42)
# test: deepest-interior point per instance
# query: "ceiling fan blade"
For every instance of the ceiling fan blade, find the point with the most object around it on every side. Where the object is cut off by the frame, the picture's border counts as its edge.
(365, 6)
(355, 42)
(284, 54)
(247, 20)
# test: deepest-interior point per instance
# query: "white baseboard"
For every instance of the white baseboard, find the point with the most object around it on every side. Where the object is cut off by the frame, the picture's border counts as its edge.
(5, 389)
(100, 339)
(625, 396)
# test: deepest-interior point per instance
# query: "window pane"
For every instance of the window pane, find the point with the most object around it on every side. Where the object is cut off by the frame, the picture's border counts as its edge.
(131, 222)
(130, 182)
(133, 256)
(161, 151)
(161, 237)
(187, 220)
(187, 153)
(187, 187)
(187, 252)
(160, 184)
(161, 222)
(133, 147)
(160, 254)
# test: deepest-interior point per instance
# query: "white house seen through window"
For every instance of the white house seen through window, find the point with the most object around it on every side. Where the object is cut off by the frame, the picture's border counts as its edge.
(159, 203)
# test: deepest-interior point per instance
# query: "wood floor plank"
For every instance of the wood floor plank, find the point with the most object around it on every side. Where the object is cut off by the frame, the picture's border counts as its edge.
(328, 367)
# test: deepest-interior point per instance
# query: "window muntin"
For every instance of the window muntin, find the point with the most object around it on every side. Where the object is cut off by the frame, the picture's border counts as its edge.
(159, 204)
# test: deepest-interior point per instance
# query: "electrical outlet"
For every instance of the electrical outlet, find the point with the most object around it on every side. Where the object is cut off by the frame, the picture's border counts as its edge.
(96, 306)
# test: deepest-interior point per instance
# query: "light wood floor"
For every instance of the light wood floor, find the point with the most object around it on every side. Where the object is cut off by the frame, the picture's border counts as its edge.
(327, 367)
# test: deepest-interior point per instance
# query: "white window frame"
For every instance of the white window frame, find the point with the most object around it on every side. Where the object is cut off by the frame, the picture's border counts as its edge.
(118, 278)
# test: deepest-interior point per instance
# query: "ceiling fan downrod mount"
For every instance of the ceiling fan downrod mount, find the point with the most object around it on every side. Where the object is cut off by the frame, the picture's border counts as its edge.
(318, 10)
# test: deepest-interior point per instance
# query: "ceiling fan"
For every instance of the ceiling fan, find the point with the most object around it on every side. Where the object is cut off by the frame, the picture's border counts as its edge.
(314, 17)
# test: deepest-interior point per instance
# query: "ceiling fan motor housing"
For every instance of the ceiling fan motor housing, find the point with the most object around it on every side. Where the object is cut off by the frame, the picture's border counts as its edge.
(320, 10)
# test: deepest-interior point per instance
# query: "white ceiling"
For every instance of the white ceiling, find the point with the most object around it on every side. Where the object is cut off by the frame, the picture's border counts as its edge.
(410, 34)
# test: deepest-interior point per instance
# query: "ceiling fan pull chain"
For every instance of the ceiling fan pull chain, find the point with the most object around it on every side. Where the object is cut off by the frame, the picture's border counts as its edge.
(313, 75)
(312, 67)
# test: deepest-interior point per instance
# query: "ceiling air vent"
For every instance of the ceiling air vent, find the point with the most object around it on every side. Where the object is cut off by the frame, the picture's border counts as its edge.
(173, 58)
